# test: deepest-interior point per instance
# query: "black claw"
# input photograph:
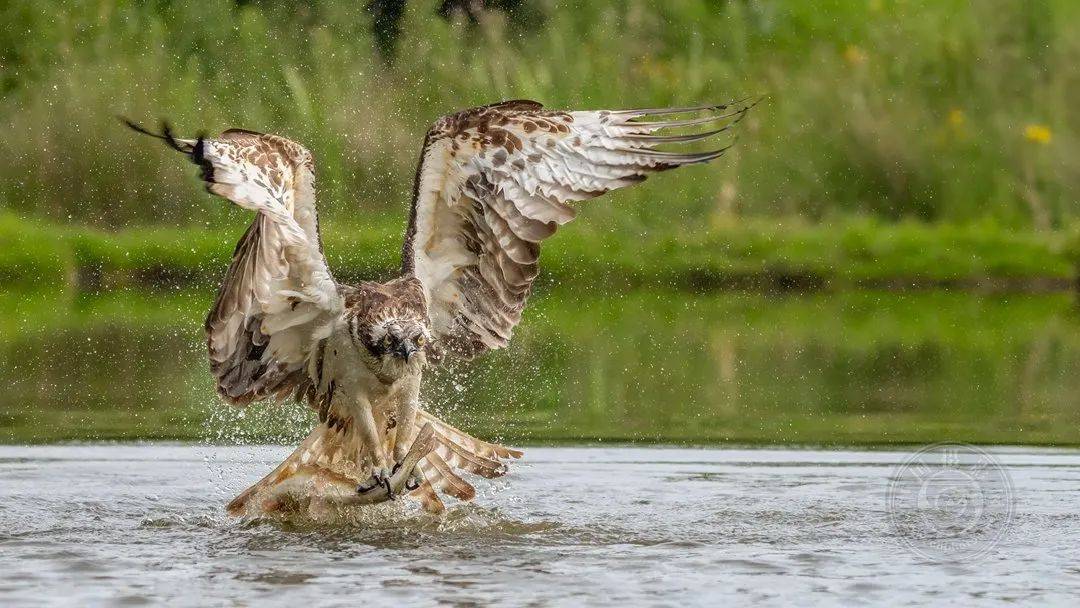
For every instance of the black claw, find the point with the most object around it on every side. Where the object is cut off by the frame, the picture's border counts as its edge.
(389, 492)
(361, 489)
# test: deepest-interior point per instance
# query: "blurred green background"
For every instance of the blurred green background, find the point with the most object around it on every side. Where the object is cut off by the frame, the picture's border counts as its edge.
(889, 253)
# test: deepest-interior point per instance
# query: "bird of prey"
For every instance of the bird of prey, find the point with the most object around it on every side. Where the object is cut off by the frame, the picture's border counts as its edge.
(492, 183)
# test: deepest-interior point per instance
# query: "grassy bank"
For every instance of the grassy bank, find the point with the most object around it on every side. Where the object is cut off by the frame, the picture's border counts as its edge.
(746, 254)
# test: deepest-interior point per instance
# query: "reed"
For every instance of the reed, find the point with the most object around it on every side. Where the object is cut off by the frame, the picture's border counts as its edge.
(941, 111)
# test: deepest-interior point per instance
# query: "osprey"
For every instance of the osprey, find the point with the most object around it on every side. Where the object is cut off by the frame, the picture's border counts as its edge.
(493, 182)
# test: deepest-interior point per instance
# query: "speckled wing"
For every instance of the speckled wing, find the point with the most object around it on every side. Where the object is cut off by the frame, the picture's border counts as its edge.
(495, 181)
(278, 294)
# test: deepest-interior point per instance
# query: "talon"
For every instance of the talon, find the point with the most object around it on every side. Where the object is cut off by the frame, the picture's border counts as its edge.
(415, 480)
(379, 477)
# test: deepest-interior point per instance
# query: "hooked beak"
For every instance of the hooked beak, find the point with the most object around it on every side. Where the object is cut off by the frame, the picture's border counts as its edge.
(405, 350)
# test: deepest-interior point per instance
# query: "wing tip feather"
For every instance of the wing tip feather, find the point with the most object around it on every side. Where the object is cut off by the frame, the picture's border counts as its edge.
(743, 104)
(165, 134)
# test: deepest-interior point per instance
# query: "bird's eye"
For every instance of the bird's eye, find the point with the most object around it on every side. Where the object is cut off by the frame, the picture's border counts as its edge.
(420, 341)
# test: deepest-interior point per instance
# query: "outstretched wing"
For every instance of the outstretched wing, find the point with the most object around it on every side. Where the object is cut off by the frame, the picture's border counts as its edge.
(278, 297)
(495, 181)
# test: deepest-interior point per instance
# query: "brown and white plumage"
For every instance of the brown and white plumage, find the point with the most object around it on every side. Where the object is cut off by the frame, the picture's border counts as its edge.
(493, 182)
(278, 293)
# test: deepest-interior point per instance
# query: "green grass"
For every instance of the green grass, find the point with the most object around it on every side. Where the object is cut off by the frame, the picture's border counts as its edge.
(746, 254)
(938, 110)
(32, 252)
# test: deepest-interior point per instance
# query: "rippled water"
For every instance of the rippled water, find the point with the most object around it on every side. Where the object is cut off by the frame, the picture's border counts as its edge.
(131, 524)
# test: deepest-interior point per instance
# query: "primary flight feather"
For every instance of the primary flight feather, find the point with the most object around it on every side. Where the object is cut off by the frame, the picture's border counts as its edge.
(492, 184)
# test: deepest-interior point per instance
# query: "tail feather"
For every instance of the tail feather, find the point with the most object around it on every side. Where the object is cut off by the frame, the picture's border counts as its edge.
(427, 497)
(462, 458)
(329, 465)
(442, 477)
(324, 450)
(491, 451)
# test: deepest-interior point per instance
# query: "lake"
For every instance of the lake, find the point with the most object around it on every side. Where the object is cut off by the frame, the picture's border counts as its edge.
(746, 511)
(601, 526)
(846, 368)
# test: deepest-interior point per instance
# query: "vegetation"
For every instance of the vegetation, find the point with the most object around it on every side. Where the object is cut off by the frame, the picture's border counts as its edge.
(900, 143)
(947, 111)
(747, 254)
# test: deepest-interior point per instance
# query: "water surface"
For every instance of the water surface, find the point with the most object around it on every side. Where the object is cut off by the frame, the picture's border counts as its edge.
(134, 524)
(646, 366)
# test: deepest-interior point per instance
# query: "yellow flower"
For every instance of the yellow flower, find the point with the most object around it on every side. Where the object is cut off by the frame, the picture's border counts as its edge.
(854, 55)
(1039, 134)
(957, 118)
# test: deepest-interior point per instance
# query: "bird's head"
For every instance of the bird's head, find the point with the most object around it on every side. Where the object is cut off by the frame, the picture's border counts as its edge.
(397, 341)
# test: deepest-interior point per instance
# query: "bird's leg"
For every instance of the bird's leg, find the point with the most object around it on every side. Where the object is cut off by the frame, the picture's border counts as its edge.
(422, 446)
(405, 415)
(369, 434)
